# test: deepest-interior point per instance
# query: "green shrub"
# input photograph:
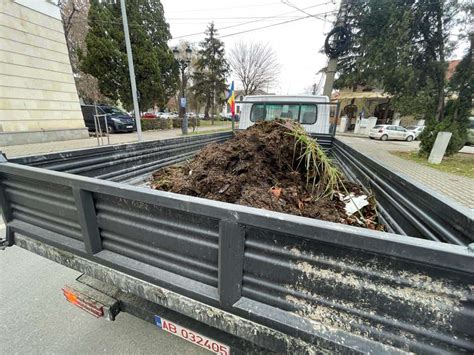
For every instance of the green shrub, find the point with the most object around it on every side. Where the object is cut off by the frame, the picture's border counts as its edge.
(176, 122)
(193, 122)
(429, 134)
(149, 124)
(162, 123)
(457, 127)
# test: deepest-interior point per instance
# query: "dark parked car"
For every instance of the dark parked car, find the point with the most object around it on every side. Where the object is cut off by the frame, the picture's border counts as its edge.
(228, 117)
(117, 120)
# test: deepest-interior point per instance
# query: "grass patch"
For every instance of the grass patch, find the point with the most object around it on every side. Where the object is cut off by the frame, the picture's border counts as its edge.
(190, 131)
(459, 164)
(208, 123)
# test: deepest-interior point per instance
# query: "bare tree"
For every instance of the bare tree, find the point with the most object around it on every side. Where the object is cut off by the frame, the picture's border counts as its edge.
(255, 64)
(74, 15)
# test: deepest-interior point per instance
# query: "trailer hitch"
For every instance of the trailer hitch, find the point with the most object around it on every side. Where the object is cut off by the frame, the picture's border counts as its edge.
(3, 244)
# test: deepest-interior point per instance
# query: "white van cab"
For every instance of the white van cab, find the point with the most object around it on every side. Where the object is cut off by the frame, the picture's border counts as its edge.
(309, 110)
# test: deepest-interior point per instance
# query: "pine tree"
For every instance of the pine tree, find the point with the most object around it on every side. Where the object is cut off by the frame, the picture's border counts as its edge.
(106, 57)
(211, 70)
(458, 108)
(400, 46)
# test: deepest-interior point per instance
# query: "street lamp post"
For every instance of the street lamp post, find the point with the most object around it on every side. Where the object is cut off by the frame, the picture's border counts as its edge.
(183, 59)
(131, 70)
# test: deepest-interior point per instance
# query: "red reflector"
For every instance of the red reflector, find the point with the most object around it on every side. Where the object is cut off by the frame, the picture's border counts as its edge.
(83, 302)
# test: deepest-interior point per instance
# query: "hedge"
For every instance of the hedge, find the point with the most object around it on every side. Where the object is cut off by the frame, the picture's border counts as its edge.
(149, 124)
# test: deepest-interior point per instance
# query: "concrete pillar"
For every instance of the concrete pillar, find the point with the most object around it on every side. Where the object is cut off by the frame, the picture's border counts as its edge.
(372, 123)
(439, 147)
(343, 124)
(358, 125)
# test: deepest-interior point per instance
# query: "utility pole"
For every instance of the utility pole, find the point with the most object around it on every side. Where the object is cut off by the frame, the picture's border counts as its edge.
(131, 70)
(332, 63)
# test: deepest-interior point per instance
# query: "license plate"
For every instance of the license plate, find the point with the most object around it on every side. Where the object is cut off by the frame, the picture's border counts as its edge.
(129, 126)
(192, 336)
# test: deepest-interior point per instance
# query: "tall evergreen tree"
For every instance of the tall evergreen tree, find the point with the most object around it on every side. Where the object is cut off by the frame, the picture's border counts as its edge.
(211, 70)
(458, 108)
(106, 56)
(400, 46)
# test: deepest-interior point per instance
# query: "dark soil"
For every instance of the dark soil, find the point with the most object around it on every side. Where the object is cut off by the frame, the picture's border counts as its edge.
(256, 168)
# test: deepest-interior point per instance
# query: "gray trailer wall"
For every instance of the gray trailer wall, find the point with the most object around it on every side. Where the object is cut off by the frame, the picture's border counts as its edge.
(335, 286)
(406, 206)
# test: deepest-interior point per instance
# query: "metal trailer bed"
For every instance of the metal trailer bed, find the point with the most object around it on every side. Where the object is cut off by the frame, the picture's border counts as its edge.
(280, 282)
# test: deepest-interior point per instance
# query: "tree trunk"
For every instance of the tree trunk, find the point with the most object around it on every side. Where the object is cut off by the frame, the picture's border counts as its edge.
(213, 108)
(441, 72)
(212, 114)
(206, 110)
(207, 107)
(385, 114)
(440, 108)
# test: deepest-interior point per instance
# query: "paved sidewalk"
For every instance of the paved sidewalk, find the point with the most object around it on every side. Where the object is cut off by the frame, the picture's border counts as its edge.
(38, 148)
(458, 188)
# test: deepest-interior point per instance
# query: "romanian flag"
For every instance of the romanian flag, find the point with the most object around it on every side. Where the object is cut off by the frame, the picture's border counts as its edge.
(231, 99)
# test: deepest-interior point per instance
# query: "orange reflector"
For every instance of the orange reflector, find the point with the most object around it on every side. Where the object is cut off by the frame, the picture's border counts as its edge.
(83, 302)
(70, 296)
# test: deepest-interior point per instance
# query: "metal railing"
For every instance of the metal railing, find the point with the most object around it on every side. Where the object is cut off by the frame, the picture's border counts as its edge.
(98, 129)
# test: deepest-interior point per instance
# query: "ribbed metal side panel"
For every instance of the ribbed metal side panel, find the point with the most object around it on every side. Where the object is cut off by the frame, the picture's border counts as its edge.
(127, 161)
(179, 242)
(407, 207)
(42, 204)
(324, 140)
(392, 301)
(338, 287)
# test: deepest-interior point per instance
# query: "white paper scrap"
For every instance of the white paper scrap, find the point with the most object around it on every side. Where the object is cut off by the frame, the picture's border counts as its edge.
(354, 204)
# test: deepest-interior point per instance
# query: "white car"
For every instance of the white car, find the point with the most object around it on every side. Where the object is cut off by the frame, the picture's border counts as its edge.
(386, 132)
(165, 115)
(416, 129)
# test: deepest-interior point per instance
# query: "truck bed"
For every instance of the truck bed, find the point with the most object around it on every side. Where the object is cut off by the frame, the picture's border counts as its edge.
(301, 281)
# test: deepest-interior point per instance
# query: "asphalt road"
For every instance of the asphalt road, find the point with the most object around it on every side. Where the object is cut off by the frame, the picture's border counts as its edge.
(36, 319)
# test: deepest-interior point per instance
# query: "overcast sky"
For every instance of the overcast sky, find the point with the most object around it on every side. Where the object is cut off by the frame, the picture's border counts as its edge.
(297, 43)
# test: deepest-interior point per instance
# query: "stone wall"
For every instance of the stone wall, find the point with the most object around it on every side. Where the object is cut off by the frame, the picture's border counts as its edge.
(38, 97)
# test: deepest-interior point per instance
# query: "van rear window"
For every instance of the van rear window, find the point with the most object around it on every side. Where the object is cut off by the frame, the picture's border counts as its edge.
(303, 113)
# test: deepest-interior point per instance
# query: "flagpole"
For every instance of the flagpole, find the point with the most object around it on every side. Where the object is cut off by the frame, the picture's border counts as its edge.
(231, 102)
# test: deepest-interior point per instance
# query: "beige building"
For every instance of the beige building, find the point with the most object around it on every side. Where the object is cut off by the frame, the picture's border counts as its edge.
(38, 97)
